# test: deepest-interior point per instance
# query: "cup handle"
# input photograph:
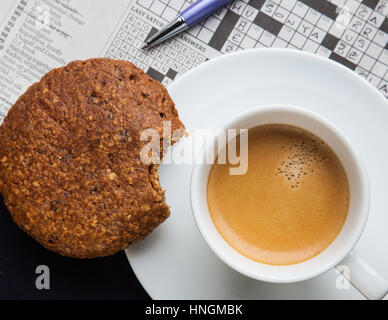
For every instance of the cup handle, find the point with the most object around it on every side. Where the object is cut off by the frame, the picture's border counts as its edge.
(363, 277)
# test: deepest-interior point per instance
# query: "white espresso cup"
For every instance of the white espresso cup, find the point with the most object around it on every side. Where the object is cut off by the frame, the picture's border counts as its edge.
(339, 254)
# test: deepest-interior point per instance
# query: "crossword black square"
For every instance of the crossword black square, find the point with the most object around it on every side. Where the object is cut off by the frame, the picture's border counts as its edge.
(154, 74)
(268, 23)
(328, 9)
(171, 74)
(343, 61)
(330, 42)
(371, 3)
(384, 26)
(257, 4)
(224, 29)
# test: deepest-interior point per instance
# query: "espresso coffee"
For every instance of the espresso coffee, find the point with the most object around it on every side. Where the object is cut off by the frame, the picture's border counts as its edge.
(292, 202)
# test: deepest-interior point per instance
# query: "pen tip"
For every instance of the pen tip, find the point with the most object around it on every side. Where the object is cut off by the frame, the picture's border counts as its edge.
(145, 47)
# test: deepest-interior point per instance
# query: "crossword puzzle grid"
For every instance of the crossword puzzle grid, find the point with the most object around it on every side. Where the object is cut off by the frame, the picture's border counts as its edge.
(164, 63)
(352, 32)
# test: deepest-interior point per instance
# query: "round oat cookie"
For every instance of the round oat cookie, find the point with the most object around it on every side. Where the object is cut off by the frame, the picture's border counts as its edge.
(70, 169)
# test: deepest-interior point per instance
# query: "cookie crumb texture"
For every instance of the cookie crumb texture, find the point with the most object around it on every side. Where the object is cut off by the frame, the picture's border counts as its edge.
(70, 169)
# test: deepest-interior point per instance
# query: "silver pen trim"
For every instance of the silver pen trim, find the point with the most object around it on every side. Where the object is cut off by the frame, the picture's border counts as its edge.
(171, 29)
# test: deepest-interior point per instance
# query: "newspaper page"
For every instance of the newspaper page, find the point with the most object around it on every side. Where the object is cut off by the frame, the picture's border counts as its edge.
(38, 35)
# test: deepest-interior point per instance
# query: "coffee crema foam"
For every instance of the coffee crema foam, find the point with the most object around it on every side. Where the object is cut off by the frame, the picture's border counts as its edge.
(292, 202)
(302, 158)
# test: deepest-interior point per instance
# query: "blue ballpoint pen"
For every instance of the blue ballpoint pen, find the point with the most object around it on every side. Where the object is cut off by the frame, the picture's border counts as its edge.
(189, 17)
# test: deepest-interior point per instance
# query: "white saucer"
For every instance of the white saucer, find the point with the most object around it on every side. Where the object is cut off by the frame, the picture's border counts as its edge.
(174, 262)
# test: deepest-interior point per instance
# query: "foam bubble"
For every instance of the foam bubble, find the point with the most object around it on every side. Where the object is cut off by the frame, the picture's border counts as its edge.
(303, 157)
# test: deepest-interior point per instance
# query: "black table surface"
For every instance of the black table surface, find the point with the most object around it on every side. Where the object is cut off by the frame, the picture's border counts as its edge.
(102, 278)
